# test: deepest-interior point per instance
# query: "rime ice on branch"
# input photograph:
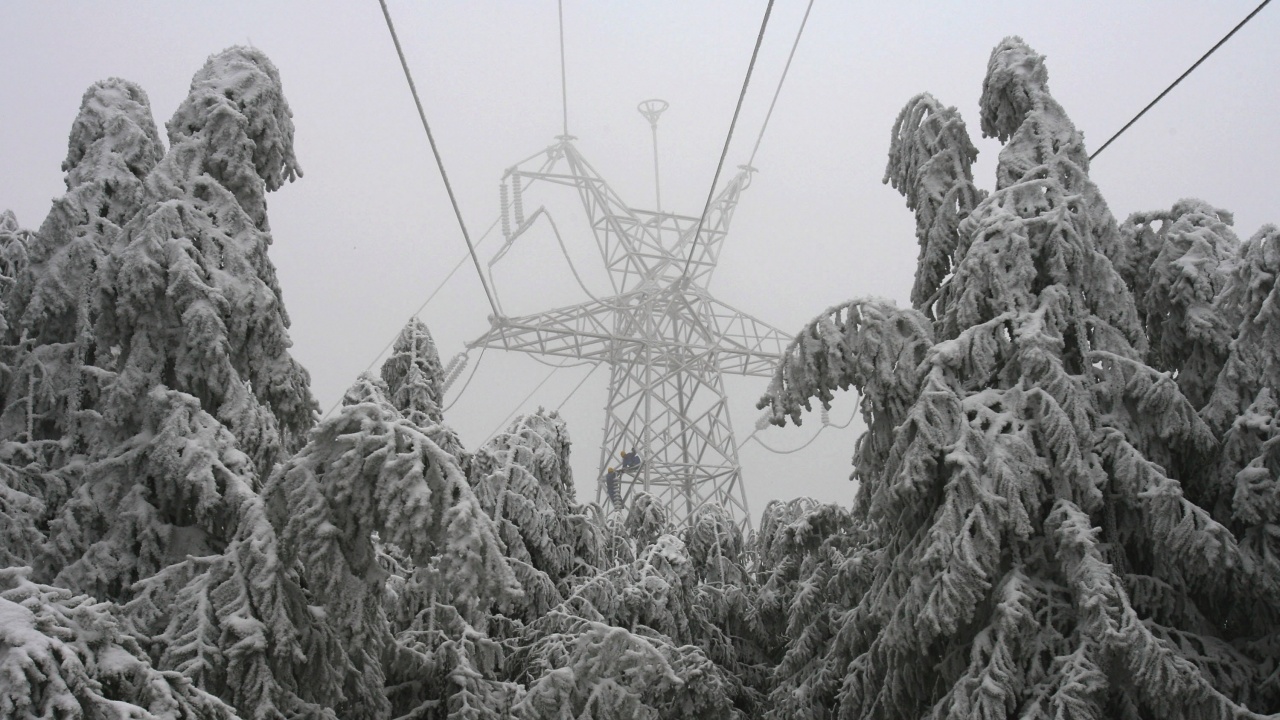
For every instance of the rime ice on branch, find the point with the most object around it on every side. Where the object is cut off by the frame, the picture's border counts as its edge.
(1027, 478)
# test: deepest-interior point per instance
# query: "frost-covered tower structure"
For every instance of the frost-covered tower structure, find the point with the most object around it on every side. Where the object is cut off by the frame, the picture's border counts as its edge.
(667, 341)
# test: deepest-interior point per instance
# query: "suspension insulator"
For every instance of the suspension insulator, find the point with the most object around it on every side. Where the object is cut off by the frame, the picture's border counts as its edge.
(763, 421)
(455, 368)
(826, 416)
(519, 193)
(506, 209)
(613, 488)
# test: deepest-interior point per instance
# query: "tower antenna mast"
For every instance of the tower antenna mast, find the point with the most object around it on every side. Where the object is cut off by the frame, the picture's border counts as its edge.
(651, 110)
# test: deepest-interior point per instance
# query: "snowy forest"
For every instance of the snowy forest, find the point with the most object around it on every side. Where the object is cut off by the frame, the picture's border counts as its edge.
(1067, 499)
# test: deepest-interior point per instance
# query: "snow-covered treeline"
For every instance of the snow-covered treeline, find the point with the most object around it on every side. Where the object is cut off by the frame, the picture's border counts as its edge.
(1068, 503)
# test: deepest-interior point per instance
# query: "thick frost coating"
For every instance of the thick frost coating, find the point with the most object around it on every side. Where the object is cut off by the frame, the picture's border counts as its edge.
(368, 472)
(191, 298)
(65, 655)
(113, 145)
(930, 163)
(1028, 505)
(523, 480)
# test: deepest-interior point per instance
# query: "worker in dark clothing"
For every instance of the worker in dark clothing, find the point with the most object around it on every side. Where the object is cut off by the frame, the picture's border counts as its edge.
(630, 460)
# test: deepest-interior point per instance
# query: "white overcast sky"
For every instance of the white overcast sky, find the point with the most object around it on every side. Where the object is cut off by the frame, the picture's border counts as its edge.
(367, 234)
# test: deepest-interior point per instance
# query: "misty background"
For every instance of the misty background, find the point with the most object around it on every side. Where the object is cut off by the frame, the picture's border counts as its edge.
(367, 234)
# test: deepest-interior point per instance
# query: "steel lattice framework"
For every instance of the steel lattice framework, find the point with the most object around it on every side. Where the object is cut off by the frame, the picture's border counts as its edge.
(667, 341)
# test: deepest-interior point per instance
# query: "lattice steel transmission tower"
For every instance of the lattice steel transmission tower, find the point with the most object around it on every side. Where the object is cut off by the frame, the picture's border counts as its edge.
(667, 341)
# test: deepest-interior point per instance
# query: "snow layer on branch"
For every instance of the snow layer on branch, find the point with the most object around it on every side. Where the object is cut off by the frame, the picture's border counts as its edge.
(1032, 476)
(523, 481)
(867, 344)
(66, 656)
(930, 163)
(1176, 272)
(113, 145)
(191, 297)
(236, 100)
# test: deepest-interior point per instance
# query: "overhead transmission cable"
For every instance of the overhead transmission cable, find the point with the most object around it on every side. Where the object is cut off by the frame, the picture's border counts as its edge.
(564, 85)
(826, 423)
(415, 314)
(519, 405)
(693, 246)
(782, 79)
(1181, 77)
(574, 391)
(466, 384)
(436, 152)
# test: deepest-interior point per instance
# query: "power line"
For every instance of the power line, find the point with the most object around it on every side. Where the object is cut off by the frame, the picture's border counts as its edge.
(564, 86)
(728, 138)
(575, 387)
(466, 384)
(1160, 97)
(415, 314)
(782, 79)
(521, 404)
(775, 451)
(436, 152)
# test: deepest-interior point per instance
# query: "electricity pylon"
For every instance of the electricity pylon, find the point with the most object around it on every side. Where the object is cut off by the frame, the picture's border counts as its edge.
(667, 341)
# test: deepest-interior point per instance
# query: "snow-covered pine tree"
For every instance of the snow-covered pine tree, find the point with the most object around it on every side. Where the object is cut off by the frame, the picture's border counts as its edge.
(627, 643)
(415, 386)
(21, 491)
(67, 656)
(160, 511)
(368, 470)
(728, 625)
(413, 375)
(523, 481)
(811, 573)
(1031, 552)
(646, 520)
(190, 298)
(1244, 411)
(112, 147)
(1176, 271)
(14, 242)
(186, 303)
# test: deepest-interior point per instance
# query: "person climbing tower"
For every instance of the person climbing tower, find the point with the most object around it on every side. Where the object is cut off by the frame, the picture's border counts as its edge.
(630, 460)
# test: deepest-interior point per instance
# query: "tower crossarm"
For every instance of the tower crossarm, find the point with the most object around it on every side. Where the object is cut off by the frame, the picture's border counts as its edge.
(586, 331)
(706, 250)
(617, 329)
(632, 248)
(746, 344)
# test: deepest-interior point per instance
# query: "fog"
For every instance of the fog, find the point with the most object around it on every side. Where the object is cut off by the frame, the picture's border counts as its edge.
(367, 234)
